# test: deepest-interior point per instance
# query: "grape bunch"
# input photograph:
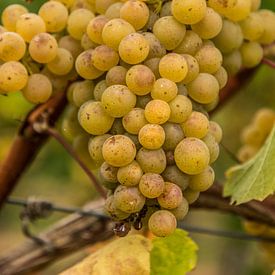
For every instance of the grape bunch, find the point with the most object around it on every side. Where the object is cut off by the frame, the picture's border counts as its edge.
(142, 77)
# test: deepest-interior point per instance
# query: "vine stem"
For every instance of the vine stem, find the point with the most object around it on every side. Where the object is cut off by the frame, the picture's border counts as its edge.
(56, 135)
(268, 62)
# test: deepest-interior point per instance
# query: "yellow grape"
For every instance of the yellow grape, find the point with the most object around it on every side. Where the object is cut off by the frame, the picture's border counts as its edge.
(193, 68)
(181, 108)
(222, 76)
(215, 130)
(119, 150)
(113, 11)
(153, 65)
(108, 176)
(130, 174)
(232, 62)
(95, 28)
(190, 195)
(12, 46)
(111, 209)
(255, 4)
(264, 119)
(252, 54)
(102, 5)
(86, 43)
(116, 75)
(253, 135)
(95, 147)
(28, 25)
(239, 11)
(156, 49)
(100, 87)
(202, 181)
(72, 45)
(67, 3)
(181, 211)
(164, 89)
(82, 92)
(55, 16)
(151, 185)
(213, 147)
(173, 135)
(268, 19)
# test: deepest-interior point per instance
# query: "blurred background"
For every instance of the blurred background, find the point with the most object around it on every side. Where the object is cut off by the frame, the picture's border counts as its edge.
(56, 177)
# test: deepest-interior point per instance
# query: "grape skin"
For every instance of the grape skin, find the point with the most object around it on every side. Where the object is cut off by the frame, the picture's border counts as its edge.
(181, 211)
(181, 108)
(72, 45)
(116, 75)
(164, 89)
(202, 181)
(113, 11)
(95, 28)
(173, 135)
(82, 92)
(151, 185)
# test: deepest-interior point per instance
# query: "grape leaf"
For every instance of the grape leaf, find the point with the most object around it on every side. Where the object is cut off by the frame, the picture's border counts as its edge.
(255, 179)
(175, 254)
(32, 6)
(268, 4)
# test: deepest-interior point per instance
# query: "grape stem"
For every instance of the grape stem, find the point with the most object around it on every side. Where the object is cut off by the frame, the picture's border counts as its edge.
(268, 62)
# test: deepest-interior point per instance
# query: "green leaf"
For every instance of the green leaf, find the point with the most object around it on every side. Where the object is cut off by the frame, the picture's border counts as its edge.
(255, 179)
(32, 7)
(175, 254)
(268, 4)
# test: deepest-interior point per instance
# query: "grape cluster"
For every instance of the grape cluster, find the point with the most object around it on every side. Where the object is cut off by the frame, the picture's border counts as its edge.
(143, 76)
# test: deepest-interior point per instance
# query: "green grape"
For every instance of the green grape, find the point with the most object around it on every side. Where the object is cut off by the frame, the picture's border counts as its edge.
(192, 156)
(102, 5)
(82, 92)
(134, 121)
(11, 14)
(190, 195)
(252, 54)
(139, 48)
(151, 185)
(67, 3)
(196, 125)
(99, 89)
(94, 119)
(128, 199)
(264, 119)
(162, 223)
(84, 66)
(173, 135)
(70, 44)
(169, 32)
(43, 48)
(12, 46)
(118, 100)
(173, 174)
(215, 130)
(151, 161)
(113, 10)
(95, 147)
(142, 101)
(202, 181)
(117, 127)
(108, 173)
(153, 65)
(253, 135)
(55, 16)
(255, 4)
(232, 62)
(164, 89)
(181, 211)
(157, 111)
(210, 26)
(246, 152)
(130, 174)
(189, 11)
(252, 27)
(222, 77)
(166, 9)
(136, 13)
(104, 58)
(151, 136)
(114, 31)
(78, 21)
(38, 89)
(13, 76)
(204, 89)
(111, 209)
(190, 44)
(95, 28)
(239, 11)
(140, 79)
(70, 126)
(181, 108)
(28, 25)
(119, 150)
(62, 63)
(229, 38)
(193, 68)
(153, 17)
(116, 76)
(209, 59)
(173, 67)
(156, 49)
(213, 147)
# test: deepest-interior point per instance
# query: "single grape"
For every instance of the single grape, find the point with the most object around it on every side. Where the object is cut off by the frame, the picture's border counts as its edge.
(192, 156)
(72, 45)
(181, 211)
(94, 119)
(130, 174)
(134, 121)
(232, 62)
(255, 4)
(113, 11)
(239, 11)
(82, 4)
(164, 89)
(190, 195)
(111, 209)
(264, 119)
(193, 68)
(153, 65)
(95, 28)
(151, 161)
(221, 6)
(119, 150)
(151, 185)
(118, 100)
(116, 75)
(252, 54)
(102, 5)
(108, 173)
(82, 92)
(222, 77)
(86, 43)
(173, 135)
(215, 130)
(140, 79)
(128, 199)
(162, 223)
(156, 49)
(95, 147)
(202, 181)
(100, 87)
(213, 147)
(181, 108)
(166, 9)
(157, 111)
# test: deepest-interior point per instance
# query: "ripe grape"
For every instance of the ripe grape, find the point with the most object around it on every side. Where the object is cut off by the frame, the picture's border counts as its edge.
(264, 119)
(86, 43)
(164, 89)
(94, 119)
(130, 174)
(252, 54)
(113, 10)
(111, 209)
(140, 79)
(119, 150)
(181, 108)
(215, 130)
(95, 28)
(232, 62)
(212, 146)
(134, 121)
(116, 75)
(153, 65)
(12, 46)
(102, 5)
(222, 77)
(162, 223)
(221, 6)
(128, 199)
(255, 4)
(173, 135)
(239, 11)
(193, 68)
(82, 92)
(72, 45)
(151, 185)
(190, 195)
(181, 211)
(118, 100)
(100, 87)
(166, 9)
(108, 173)
(169, 32)
(156, 49)
(202, 181)
(37, 95)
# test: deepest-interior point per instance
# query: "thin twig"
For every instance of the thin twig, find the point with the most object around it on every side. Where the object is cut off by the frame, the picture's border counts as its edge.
(268, 62)
(56, 135)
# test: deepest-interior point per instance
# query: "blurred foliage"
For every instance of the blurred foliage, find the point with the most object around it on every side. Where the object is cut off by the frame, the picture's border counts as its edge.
(268, 4)
(32, 6)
